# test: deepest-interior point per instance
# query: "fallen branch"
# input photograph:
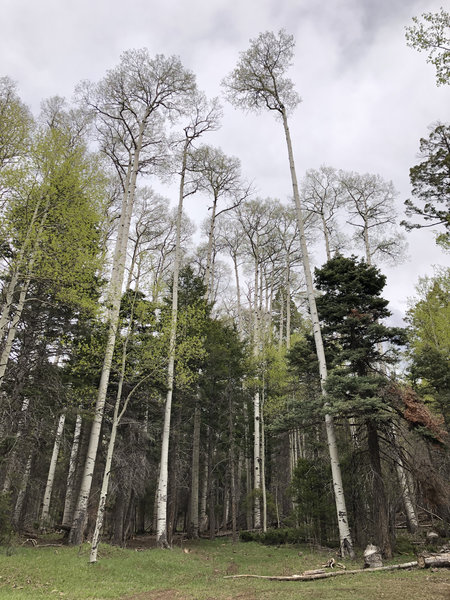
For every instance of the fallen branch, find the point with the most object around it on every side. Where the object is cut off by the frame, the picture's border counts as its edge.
(311, 576)
(434, 560)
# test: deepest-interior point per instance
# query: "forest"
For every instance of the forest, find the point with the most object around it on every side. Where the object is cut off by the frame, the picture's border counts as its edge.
(158, 381)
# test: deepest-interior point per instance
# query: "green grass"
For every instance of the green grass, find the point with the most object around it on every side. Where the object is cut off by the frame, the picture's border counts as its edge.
(62, 572)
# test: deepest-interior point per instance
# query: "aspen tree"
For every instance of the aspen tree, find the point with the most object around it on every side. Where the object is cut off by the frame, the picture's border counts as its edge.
(130, 105)
(259, 82)
(203, 117)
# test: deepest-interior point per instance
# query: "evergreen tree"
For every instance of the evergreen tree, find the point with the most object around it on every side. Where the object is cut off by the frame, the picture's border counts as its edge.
(351, 310)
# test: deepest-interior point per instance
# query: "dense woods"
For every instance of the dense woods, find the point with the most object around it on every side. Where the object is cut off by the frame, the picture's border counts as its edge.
(157, 381)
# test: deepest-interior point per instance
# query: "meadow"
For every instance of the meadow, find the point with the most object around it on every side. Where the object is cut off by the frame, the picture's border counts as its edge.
(197, 570)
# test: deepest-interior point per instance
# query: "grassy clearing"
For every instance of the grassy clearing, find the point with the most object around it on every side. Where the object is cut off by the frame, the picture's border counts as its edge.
(38, 573)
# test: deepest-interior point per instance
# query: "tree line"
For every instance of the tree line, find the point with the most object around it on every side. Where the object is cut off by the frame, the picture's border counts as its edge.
(147, 386)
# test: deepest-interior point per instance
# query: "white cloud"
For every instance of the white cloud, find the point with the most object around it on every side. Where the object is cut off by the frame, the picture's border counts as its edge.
(367, 97)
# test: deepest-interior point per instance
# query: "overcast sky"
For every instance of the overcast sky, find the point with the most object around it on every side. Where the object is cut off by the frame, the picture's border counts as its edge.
(367, 97)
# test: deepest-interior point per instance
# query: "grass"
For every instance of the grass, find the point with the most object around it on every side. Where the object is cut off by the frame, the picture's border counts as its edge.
(62, 572)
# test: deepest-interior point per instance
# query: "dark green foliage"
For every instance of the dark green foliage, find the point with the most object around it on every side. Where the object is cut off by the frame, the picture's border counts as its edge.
(404, 545)
(430, 371)
(313, 497)
(430, 182)
(278, 537)
(351, 310)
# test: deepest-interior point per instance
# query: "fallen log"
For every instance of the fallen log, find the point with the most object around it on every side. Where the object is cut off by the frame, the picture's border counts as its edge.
(434, 560)
(311, 576)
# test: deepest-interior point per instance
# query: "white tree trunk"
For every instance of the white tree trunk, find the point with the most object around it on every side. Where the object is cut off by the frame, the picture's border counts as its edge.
(22, 491)
(11, 463)
(11, 287)
(238, 296)
(195, 475)
(117, 417)
(68, 502)
(203, 498)
(51, 472)
(288, 307)
(257, 462)
(115, 293)
(209, 255)
(281, 323)
(341, 510)
(256, 413)
(263, 470)
(161, 521)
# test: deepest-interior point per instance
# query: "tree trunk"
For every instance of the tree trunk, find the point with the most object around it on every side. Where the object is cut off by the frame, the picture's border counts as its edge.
(117, 417)
(172, 511)
(204, 497)
(161, 521)
(68, 502)
(11, 462)
(257, 463)
(11, 335)
(195, 476)
(341, 510)
(115, 293)
(12, 285)
(411, 516)
(288, 307)
(380, 512)
(263, 469)
(434, 560)
(16, 519)
(256, 411)
(51, 472)
(232, 459)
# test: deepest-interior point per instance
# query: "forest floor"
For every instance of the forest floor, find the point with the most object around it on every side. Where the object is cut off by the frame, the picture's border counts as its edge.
(196, 570)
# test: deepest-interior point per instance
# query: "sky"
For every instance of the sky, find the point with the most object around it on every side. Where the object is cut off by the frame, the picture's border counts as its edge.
(367, 98)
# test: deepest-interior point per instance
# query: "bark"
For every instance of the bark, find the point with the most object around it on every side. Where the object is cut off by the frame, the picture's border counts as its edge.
(325, 575)
(117, 417)
(434, 560)
(204, 497)
(11, 463)
(16, 521)
(195, 476)
(12, 285)
(248, 469)
(68, 502)
(232, 459)
(161, 520)
(51, 471)
(256, 412)
(288, 307)
(257, 463)
(172, 511)
(411, 516)
(211, 489)
(344, 529)
(209, 255)
(263, 469)
(281, 323)
(238, 296)
(115, 293)
(326, 237)
(380, 515)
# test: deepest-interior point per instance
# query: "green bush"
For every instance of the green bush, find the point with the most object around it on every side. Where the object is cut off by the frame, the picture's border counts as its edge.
(403, 545)
(277, 537)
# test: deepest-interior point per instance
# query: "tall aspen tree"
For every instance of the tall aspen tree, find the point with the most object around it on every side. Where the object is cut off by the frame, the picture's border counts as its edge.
(258, 82)
(203, 117)
(130, 105)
